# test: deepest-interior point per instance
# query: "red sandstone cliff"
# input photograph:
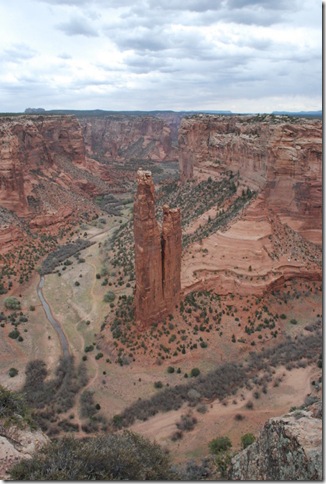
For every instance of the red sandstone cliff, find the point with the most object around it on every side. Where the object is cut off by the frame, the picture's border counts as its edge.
(121, 138)
(171, 255)
(45, 177)
(157, 256)
(43, 164)
(282, 156)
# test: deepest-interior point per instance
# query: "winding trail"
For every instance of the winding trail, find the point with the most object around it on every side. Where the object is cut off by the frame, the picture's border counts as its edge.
(56, 326)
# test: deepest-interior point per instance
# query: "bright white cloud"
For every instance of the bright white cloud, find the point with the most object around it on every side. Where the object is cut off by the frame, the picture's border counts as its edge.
(243, 55)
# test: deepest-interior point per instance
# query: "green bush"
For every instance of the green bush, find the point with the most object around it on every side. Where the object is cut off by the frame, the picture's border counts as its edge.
(12, 404)
(220, 444)
(109, 297)
(195, 372)
(12, 372)
(88, 348)
(14, 334)
(170, 369)
(247, 439)
(125, 456)
(12, 303)
(158, 384)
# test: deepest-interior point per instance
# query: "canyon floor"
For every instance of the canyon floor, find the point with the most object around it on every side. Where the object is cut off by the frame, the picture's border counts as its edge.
(236, 262)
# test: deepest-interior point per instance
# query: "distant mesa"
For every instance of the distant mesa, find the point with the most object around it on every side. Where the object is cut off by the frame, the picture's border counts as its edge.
(34, 110)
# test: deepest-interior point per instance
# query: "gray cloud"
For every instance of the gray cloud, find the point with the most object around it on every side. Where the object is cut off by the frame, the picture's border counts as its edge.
(78, 26)
(191, 5)
(161, 54)
(262, 4)
(17, 53)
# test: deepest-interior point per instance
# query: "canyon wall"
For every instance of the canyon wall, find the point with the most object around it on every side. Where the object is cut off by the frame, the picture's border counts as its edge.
(121, 138)
(157, 255)
(45, 176)
(39, 152)
(279, 155)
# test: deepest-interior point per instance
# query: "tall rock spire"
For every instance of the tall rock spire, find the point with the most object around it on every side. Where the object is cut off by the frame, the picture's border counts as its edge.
(157, 255)
(171, 255)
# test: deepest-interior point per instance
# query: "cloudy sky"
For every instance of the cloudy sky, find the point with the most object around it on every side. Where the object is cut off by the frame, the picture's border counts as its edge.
(238, 55)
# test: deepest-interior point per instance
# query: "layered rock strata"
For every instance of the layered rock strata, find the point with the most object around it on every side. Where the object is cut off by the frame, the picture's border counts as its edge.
(157, 254)
(288, 449)
(281, 156)
(121, 138)
(45, 177)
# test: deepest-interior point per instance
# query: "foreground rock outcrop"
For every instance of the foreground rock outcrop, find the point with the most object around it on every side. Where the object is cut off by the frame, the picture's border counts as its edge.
(289, 448)
(16, 444)
(157, 254)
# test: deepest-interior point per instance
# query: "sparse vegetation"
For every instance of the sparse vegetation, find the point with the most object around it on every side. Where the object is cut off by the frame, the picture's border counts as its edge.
(220, 444)
(247, 439)
(125, 456)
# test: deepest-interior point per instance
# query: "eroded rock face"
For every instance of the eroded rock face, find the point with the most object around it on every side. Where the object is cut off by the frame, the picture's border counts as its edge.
(45, 177)
(36, 151)
(278, 155)
(17, 444)
(288, 449)
(157, 254)
(121, 138)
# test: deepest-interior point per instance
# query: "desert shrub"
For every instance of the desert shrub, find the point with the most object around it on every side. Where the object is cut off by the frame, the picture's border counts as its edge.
(247, 439)
(87, 404)
(109, 297)
(187, 422)
(89, 348)
(177, 435)
(293, 321)
(12, 303)
(170, 369)
(125, 456)
(49, 397)
(158, 384)
(12, 372)
(220, 444)
(195, 372)
(202, 408)
(239, 417)
(62, 253)
(14, 334)
(11, 403)
(249, 405)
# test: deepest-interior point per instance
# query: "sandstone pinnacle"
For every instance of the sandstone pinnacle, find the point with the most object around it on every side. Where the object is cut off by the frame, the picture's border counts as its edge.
(157, 254)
